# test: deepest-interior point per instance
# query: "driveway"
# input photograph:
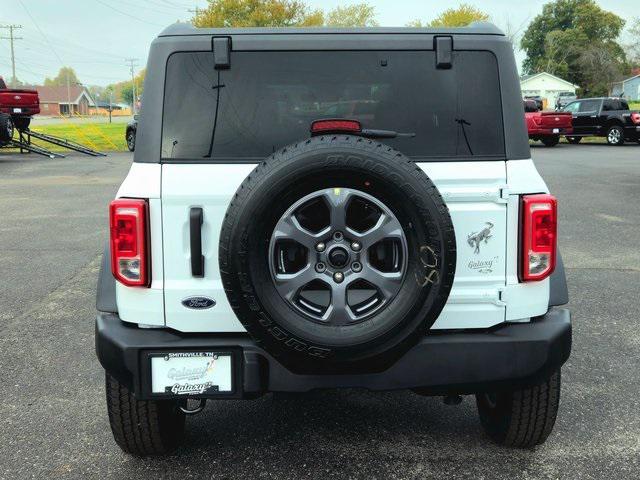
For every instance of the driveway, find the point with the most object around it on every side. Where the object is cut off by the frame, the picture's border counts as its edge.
(54, 424)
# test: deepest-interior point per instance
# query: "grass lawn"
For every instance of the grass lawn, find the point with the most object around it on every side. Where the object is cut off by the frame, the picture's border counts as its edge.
(634, 106)
(104, 137)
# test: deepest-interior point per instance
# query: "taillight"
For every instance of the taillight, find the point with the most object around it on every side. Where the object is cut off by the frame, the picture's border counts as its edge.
(335, 126)
(635, 118)
(538, 242)
(128, 219)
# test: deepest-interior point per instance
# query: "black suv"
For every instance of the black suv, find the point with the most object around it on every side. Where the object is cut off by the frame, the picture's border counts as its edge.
(604, 117)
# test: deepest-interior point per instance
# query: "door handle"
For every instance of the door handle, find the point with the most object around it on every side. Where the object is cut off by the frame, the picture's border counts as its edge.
(196, 218)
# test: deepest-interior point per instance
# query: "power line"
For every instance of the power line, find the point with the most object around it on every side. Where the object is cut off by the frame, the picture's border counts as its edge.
(11, 39)
(127, 14)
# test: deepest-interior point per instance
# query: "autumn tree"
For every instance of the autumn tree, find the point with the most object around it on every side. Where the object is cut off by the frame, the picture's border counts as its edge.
(357, 15)
(454, 17)
(563, 39)
(65, 74)
(280, 13)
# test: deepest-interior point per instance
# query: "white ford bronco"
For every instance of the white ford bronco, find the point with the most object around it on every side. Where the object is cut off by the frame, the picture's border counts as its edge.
(312, 209)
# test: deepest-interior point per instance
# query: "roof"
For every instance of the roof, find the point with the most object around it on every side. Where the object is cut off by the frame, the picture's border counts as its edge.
(60, 94)
(525, 78)
(186, 29)
(629, 79)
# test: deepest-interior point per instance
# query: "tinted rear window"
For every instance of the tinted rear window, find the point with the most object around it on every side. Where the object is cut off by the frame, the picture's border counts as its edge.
(267, 100)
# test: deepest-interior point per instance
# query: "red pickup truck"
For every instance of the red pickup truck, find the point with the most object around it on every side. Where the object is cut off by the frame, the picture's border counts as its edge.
(546, 126)
(19, 104)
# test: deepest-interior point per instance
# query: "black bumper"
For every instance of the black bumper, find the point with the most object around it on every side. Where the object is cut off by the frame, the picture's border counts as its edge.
(508, 356)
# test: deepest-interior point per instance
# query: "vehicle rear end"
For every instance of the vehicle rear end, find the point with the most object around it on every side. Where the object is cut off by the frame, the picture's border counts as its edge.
(18, 102)
(332, 208)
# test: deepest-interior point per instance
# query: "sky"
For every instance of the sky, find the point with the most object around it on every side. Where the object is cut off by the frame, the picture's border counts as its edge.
(96, 36)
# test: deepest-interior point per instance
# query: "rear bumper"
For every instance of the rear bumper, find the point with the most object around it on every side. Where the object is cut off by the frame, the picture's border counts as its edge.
(506, 357)
(543, 132)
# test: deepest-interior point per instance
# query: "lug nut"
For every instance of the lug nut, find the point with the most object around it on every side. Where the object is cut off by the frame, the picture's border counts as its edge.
(338, 277)
(356, 266)
(337, 236)
(320, 267)
(320, 247)
(356, 246)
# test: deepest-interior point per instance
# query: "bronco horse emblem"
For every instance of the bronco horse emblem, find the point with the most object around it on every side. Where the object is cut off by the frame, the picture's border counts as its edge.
(475, 238)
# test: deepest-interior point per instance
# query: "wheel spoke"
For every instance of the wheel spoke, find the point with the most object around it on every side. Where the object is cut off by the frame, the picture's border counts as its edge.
(339, 312)
(337, 199)
(387, 283)
(289, 228)
(288, 284)
(387, 226)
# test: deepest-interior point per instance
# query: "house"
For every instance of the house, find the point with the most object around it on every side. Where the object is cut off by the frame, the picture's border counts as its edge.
(629, 88)
(58, 100)
(546, 86)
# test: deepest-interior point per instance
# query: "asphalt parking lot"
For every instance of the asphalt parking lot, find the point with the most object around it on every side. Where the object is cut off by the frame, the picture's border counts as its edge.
(53, 226)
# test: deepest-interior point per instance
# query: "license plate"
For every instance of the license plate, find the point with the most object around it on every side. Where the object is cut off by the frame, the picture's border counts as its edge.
(191, 373)
(556, 130)
(17, 110)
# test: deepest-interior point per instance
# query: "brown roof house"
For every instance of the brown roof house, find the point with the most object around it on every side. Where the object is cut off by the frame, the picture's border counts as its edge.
(58, 100)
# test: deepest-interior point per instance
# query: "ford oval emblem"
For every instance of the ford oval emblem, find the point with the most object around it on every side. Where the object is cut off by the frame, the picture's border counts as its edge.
(17, 97)
(198, 303)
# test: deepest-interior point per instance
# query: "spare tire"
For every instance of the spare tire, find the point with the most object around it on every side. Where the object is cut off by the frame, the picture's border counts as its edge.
(337, 254)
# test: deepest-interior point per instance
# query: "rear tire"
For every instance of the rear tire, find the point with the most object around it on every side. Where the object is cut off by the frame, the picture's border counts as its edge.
(574, 140)
(143, 427)
(551, 141)
(131, 140)
(521, 418)
(615, 135)
(6, 128)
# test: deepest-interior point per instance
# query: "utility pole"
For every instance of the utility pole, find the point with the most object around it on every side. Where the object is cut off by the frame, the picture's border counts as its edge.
(133, 62)
(11, 39)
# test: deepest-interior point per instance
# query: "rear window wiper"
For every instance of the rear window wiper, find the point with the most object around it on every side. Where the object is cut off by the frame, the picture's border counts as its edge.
(374, 133)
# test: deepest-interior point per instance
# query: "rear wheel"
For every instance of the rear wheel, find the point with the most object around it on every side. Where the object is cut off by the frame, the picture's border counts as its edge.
(142, 427)
(131, 140)
(551, 141)
(573, 140)
(521, 418)
(6, 128)
(615, 135)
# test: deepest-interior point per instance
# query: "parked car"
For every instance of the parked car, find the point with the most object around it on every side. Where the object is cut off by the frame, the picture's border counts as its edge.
(130, 135)
(564, 98)
(537, 99)
(546, 126)
(253, 251)
(604, 117)
(19, 104)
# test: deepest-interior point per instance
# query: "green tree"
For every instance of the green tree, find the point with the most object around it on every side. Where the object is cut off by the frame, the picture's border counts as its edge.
(558, 39)
(633, 47)
(357, 15)
(257, 13)
(280, 13)
(455, 17)
(61, 79)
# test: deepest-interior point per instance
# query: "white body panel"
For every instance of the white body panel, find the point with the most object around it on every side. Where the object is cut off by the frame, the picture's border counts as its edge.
(145, 305)
(479, 195)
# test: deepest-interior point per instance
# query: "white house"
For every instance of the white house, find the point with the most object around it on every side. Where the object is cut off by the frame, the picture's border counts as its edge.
(545, 85)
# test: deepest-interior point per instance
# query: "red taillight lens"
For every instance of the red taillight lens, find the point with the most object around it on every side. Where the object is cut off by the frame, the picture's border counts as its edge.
(335, 126)
(635, 118)
(538, 238)
(128, 219)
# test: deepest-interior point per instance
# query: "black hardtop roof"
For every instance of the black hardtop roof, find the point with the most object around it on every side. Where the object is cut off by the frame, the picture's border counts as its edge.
(187, 29)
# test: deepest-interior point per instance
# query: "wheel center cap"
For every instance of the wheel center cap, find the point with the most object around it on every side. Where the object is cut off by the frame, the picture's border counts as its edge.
(339, 257)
